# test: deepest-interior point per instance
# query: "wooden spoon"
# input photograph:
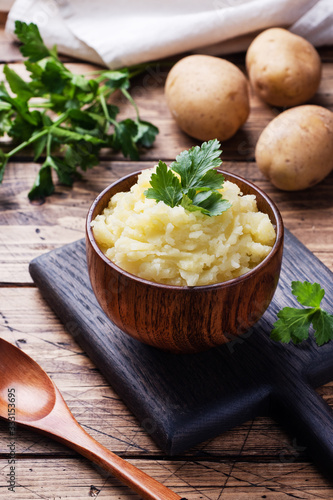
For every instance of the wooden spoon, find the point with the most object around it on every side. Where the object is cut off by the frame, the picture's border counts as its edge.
(39, 405)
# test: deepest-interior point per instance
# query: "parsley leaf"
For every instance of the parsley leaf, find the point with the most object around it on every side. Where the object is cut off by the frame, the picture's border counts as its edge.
(165, 186)
(323, 324)
(147, 133)
(117, 79)
(192, 165)
(17, 85)
(208, 202)
(5, 118)
(43, 185)
(33, 47)
(294, 324)
(71, 120)
(197, 189)
(124, 138)
(54, 78)
(308, 294)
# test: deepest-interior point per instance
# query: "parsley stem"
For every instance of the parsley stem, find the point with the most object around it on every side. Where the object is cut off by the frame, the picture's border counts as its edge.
(37, 136)
(48, 145)
(106, 111)
(131, 100)
(60, 120)
(26, 143)
(134, 70)
(42, 105)
(106, 91)
(135, 73)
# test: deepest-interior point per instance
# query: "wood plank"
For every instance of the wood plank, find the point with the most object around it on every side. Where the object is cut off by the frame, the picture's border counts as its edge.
(211, 400)
(27, 321)
(148, 91)
(9, 51)
(28, 230)
(76, 478)
(281, 470)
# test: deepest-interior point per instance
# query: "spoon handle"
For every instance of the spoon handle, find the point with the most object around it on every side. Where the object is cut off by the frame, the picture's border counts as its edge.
(68, 431)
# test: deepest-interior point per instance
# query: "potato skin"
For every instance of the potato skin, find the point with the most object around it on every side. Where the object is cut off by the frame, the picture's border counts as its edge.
(284, 69)
(295, 150)
(207, 96)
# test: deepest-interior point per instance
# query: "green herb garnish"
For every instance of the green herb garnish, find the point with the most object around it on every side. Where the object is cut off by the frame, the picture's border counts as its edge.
(71, 112)
(293, 323)
(197, 188)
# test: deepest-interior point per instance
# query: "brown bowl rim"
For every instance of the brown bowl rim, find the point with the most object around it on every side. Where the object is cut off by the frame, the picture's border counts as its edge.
(234, 281)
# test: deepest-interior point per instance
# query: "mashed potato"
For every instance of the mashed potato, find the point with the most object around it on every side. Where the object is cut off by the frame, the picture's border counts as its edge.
(176, 247)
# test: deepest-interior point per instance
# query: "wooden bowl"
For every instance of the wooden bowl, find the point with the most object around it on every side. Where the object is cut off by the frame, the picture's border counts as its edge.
(183, 319)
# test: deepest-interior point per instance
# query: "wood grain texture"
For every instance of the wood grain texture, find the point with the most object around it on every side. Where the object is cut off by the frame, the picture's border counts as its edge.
(257, 459)
(8, 50)
(29, 396)
(196, 479)
(215, 394)
(27, 321)
(29, 230)
(148, 92)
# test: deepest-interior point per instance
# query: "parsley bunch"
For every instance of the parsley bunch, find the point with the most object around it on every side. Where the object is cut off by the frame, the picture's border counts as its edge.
(71, 113)
(197, 188)
(293, 324)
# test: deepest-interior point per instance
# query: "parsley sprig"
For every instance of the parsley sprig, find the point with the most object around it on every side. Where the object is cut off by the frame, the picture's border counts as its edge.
(65, 117)
(197, 188)
(293, 323)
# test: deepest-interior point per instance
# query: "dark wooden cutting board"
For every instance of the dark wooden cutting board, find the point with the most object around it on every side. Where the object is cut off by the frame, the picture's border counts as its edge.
(182, 400)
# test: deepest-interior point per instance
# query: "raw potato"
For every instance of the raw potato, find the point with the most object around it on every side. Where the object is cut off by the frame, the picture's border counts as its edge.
(284, 69)
(295, 150)
(208, 97)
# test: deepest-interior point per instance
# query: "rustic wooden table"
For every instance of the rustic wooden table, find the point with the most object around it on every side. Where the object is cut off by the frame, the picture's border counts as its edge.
(256, 460)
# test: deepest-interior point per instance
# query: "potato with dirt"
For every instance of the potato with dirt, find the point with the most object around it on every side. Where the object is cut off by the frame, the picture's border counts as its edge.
(295, 150)
(284, 69)
(208, 97)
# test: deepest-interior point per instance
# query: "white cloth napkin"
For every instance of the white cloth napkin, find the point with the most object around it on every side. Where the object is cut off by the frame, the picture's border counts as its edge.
(127, 32)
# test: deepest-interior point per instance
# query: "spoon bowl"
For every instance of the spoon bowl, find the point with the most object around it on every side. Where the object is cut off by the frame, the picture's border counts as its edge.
(38, 404)
(32, 388)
